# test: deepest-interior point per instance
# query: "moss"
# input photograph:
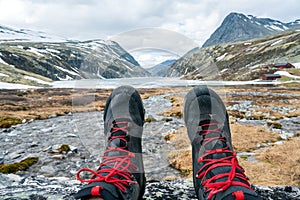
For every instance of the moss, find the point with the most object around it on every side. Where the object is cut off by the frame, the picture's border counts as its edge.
(64, 148)
(167, 119)
(150, 119)
(18, 166)
(244, 157)
(172, 99)
(6, 122)
(186, 171)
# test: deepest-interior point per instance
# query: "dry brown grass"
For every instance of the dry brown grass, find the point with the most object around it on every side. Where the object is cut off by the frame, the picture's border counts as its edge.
(247, 138)
(19, 105)
(181, 157)
(181, 160)
(177, 106)
(41, 103)
(278, 165)
(146, 93)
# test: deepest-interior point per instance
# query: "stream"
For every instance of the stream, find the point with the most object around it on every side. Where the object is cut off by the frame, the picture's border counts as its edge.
(83, 132)
(53, 176)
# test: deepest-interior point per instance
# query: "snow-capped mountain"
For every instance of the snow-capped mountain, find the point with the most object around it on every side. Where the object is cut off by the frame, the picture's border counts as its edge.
(8, 34)
(25, 59)
(240, 27)
(244, 60)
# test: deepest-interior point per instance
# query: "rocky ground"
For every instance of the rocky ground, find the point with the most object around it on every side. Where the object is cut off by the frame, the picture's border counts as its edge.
(14, 187)
(53, 175)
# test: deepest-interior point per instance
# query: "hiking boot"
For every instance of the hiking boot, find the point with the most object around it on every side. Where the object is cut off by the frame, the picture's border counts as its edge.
(216, 172)
(121, 172)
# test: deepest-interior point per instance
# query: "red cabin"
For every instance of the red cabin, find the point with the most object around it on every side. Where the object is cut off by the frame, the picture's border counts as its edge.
(284, 65)
(270, 76)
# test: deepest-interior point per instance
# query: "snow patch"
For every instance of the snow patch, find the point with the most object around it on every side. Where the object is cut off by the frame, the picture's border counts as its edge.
(36, 51)
(5, 75)
(14, 86)
(185, 72)
(66, 70)
(284, 73)
(221, 57)
(3, 62)
(273, 27)
(68, 78)
(297, 65)
(224, 70)
(277, 42)
(53, 51)
(104, 42)
(252, 49)
(247, 43)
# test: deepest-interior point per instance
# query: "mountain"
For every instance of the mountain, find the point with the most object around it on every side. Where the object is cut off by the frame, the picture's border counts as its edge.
(238, 61)
(8, 34)
(240, 27)
(25, 59)
(25, 62)
(162, 68)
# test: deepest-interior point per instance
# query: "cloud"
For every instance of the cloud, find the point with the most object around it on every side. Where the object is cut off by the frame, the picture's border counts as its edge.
(90, 19)
(155, 38)
(187, 23)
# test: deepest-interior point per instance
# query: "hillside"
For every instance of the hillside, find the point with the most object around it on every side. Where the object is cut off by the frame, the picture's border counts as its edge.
(240, 27)
(34, 63)
(240, 60)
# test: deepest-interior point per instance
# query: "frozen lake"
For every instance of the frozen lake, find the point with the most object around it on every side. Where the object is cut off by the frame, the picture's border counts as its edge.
(147, 82)
(138, 82)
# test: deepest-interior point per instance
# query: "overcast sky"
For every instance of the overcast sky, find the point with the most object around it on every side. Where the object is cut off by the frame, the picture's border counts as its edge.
(103, 19)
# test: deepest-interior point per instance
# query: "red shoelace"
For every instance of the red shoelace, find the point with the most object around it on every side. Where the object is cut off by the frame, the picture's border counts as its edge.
(237, 172)
(117, 169)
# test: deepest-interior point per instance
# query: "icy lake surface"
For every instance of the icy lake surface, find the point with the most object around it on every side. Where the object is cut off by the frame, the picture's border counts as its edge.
(146, 82)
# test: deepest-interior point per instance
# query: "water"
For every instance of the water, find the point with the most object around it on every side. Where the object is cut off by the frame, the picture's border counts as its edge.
(149, 82)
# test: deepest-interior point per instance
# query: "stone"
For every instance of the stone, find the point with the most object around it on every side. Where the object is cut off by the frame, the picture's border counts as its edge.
(13, 155)
(47, 169)
(71, 135)
(58, 157)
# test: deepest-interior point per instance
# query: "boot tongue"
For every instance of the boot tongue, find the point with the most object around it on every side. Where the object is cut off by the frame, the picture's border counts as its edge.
(115, 140)
(116, 143)
(215, 143)
(215, 133)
